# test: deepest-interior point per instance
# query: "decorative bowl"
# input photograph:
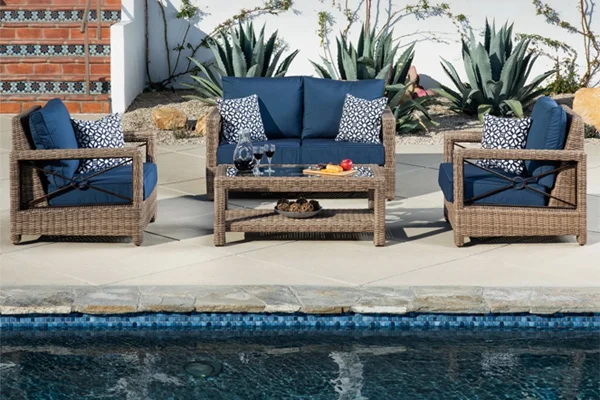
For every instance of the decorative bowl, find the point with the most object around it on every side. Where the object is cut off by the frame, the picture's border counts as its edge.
(299, 215)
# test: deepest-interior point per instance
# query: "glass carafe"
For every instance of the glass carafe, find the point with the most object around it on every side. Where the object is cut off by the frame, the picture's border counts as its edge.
(243, 155)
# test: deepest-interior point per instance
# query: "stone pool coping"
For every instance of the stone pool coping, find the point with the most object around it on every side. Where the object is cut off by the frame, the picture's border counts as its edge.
(298, 299)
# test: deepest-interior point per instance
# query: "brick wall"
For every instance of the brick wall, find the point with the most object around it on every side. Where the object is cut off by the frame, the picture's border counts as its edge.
(42, 54)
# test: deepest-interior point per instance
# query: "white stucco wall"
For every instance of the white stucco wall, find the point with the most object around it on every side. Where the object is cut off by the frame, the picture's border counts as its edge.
(128, 60)
(300, 30)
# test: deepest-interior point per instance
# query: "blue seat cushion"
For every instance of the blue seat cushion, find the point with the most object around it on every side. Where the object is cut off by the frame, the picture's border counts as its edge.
(314, 151)
(117, 180)
(280, 102)
(51, 129)
(478, 182)
(287, 151)
(324, 101)
(548, 132)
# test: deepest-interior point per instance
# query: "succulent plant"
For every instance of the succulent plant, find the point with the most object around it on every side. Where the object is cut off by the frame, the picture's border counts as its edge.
(240, 53)
(374, 57)
(497, 75)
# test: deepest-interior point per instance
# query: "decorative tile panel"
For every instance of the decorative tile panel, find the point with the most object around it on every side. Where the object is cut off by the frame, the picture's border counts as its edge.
(52, 87)
(52, 50)
(300, 321)
(35, 16)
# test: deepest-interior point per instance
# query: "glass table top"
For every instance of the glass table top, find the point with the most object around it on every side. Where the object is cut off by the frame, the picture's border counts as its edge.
(280, 171)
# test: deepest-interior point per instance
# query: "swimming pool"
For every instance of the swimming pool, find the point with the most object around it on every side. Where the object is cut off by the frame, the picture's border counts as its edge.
(317, 364)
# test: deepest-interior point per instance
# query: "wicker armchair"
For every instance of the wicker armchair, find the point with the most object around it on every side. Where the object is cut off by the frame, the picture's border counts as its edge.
(565, 213)
(30, 212)
(213, 135)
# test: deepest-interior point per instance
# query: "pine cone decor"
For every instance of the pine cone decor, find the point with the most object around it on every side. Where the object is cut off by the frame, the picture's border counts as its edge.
(315, 204)
(301, 200)
(283, 207)
(306, 207)
(294, 207)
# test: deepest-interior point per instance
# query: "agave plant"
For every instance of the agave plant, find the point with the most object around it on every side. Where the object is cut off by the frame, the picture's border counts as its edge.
(497, 75)
(240, 53)
(374, 57)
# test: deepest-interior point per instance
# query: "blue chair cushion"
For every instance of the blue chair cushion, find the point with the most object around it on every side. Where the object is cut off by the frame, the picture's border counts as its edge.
(324, 101)
(280, 101)
(314, 151)
(548, 132)
(51, 129)
(287, 151)
(117, 180)
(478, 182)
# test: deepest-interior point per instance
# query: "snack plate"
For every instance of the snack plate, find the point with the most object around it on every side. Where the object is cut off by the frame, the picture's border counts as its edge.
(327, 173)
(298, 215)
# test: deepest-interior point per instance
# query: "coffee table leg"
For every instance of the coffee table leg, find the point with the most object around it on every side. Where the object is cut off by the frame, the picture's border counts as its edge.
(379, 228)
(220, 205)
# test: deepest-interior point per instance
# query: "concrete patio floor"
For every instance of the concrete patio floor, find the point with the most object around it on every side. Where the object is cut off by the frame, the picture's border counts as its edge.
(178, 250)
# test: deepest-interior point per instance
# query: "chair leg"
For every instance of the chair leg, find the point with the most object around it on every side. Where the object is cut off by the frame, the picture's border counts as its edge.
(582, 238)
(15, 239)
(138, 238)
(446, 214)
(459, 240)
(153, 219)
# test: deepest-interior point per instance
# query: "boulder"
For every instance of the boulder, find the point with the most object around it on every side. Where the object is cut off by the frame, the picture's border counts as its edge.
(169, 118)
(201, 126)
(587, 106)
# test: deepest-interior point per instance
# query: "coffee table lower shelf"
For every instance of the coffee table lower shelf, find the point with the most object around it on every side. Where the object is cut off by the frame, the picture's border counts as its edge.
(329, 220)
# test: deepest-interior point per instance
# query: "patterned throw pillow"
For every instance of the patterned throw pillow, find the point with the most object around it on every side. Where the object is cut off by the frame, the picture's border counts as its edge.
(104, 133)
(504, 133)
(242, 113)
(361, 120)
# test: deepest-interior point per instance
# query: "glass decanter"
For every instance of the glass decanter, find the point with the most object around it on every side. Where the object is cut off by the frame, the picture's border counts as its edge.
(243, 155)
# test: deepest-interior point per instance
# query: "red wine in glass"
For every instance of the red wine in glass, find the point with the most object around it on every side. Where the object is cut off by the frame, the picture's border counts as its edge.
(270, 152)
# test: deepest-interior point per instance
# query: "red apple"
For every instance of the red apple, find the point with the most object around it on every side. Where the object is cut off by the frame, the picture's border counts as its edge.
(346, 164)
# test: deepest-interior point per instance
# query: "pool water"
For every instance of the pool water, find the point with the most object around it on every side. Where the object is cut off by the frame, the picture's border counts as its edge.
(211, 364)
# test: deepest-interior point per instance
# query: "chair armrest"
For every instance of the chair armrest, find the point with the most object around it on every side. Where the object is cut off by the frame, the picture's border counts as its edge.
(577, 156)
(71, 154)
(453, 137)
(147, 137)
(213, 133)
(388, 126)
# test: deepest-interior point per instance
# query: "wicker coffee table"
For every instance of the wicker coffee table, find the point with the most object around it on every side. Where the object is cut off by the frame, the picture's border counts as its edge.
(289, 178)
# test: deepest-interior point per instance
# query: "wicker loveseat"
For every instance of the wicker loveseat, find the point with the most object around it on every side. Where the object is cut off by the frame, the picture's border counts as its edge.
(548, 199)
(301, 116)
(48, 197)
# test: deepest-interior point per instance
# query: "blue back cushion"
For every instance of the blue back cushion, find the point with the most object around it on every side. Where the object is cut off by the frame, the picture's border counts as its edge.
(548, 132)
(51, 129)
(316, 151)
(324, 101)
(280, 101)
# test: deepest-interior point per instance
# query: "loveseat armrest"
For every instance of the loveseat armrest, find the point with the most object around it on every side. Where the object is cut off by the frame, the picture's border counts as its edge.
(453, 137)
(146, 137)
(213, 134)
(19, 156)
(575, 156)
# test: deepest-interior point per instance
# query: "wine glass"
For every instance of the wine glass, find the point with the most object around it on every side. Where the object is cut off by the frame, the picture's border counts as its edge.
(270, 151)
(258, 153)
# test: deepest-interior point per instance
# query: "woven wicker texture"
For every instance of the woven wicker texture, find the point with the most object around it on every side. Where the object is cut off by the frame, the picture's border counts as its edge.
(338, 220)
(558, 218)
(27, 184)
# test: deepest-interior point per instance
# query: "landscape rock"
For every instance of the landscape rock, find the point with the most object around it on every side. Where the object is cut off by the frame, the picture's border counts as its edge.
(201, 126)
(587, 106)
(169, 118)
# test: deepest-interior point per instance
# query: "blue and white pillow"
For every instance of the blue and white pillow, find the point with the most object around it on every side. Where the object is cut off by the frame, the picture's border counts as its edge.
(361, 120)
(105, 133)
(239, 114)
(507, 134)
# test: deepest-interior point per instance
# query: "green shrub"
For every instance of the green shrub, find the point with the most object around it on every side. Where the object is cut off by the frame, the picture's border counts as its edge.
(243, 54)
(374, 57)
(497, 76)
